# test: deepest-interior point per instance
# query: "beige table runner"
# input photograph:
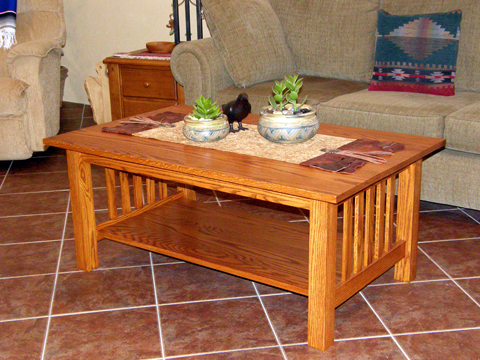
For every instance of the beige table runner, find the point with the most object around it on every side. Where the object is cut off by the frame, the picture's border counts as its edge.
(250, 142)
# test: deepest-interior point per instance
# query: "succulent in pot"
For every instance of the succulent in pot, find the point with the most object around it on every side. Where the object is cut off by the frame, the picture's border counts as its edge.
(288, 120)
(206, 122)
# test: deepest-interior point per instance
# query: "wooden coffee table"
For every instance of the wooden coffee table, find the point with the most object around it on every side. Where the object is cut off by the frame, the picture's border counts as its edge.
(329, 261)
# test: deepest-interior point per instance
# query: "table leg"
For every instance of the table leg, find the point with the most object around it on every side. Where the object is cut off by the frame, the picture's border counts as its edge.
(321, 283)
(84, 227)
(408, 207)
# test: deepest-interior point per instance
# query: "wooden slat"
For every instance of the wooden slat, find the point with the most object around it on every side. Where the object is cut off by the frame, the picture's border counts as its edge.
(150, 189)
(369, 226)
(137, 191)
(162, 189)
(389, 213)
(125, 192)
(358, 234)
(111, 197)
(347, 289)
(380, 220)
(188, 191)
(347, 254)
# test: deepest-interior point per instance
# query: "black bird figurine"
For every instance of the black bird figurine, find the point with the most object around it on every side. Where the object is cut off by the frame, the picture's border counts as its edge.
(237, 110)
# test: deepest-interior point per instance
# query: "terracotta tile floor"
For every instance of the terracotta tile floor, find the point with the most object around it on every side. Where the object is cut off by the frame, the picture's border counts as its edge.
(140, 305)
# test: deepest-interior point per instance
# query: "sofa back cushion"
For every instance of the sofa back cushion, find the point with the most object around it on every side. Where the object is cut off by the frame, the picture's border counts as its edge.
(250, 39)
(468, 60)
(331, 38)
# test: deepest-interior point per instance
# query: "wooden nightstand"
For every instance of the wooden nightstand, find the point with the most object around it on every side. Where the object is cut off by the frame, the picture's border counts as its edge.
(138, 86)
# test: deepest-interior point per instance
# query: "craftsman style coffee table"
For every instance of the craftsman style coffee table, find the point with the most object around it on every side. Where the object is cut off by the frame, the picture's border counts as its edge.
(328, 262)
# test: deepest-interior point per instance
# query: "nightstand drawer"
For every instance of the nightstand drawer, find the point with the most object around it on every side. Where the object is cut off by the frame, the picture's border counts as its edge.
(148, 83)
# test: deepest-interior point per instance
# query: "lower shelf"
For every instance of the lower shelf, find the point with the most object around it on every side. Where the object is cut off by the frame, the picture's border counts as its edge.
(255, 247)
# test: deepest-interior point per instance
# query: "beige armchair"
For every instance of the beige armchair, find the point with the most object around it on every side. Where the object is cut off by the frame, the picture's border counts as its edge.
(30, 79)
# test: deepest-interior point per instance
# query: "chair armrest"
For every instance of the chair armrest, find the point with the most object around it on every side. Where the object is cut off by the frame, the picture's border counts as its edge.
(36, 48)
(197, 66)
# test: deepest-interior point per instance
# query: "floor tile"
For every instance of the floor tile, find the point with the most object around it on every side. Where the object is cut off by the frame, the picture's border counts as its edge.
(104, 289)
(4, 166)
(31, 228)
(473, 213)
(111, 254)
(458, 345)
(419, 307)
(35, 203)
(35, 182)
(458, 258)
(260, 354)
(472, 287)
(429, 206)
(39, 164)
(187, 282)
(268, 290)
(426, 270)
(369, 349)
(29, 259)
(445, 225)
(214, 326)
(24, 340)
(25, 297)
(123, 335)
(289, 316)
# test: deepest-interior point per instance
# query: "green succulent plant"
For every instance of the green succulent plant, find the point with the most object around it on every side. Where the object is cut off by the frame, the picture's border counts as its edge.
(205, 109)
(285, 92)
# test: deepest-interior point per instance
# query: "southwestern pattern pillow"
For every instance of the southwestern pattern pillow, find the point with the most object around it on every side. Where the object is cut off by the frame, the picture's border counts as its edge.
(417, 53)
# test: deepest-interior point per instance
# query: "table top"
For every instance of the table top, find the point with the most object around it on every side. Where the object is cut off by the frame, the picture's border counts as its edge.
(255, 172)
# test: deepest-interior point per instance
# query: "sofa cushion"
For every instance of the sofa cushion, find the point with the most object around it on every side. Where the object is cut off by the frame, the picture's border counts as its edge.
(317, 89)
(12, 97)
(469, 49)
(331, 38)
(252, 46)
(462, 129)
(402, 112)
(417, 53)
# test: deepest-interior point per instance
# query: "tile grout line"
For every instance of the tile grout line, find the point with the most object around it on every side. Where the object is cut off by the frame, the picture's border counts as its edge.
(451, 278)
(470, 216)
(5, 176)
(217, 199)
(157, 307)
(447, 240)
(47, 330)
(384, 325)
(270, 322)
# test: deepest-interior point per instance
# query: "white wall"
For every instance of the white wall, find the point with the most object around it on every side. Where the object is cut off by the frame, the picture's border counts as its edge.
(98, 28)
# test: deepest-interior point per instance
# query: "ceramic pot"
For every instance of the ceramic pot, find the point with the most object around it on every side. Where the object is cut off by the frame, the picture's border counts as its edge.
(206, 130)
(288, 129)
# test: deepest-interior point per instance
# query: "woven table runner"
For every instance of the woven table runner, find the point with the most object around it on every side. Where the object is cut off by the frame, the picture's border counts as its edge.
(250, 142)
(325, 152)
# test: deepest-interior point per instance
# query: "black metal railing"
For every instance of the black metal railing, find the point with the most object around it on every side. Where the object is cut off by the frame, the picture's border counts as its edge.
(176, 19)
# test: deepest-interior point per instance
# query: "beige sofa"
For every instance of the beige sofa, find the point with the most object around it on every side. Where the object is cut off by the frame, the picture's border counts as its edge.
(331, 43)
(30, 79)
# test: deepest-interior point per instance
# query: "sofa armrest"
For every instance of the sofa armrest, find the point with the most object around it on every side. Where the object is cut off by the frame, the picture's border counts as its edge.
(196, 65)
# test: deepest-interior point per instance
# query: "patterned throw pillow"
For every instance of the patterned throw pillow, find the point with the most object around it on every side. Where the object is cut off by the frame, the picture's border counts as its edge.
(417, 53)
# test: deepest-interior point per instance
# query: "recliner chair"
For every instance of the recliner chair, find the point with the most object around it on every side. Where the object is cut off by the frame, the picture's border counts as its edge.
(30, 79)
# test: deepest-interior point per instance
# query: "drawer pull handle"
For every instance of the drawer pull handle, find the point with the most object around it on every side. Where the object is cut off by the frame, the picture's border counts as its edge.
(146, 84)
